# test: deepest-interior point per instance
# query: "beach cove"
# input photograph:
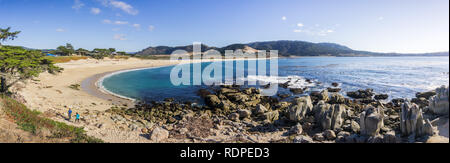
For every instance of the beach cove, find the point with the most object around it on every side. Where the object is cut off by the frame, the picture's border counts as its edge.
(105, 115)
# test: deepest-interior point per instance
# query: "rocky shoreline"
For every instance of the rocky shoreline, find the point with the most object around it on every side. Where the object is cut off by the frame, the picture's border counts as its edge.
(235, 114)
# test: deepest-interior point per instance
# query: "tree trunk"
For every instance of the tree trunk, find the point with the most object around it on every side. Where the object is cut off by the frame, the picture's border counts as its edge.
(3, 88)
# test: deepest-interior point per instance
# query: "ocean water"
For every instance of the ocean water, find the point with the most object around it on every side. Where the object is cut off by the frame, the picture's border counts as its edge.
(400, 77)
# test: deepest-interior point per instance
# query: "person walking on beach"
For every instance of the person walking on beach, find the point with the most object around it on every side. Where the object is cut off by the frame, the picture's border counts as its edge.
(70, 114)
(77, 118)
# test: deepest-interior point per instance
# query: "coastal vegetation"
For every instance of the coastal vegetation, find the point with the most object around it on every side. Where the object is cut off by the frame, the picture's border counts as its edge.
(18, 64)
(64, 59)
(97, 53)
(34, 122)
(75, 87)
(5, 35)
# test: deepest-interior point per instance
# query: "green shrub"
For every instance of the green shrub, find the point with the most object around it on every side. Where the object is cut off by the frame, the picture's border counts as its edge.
(75, 86)
(31, 121)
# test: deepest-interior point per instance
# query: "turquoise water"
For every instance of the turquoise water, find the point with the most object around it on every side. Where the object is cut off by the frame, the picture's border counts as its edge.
(400, 77)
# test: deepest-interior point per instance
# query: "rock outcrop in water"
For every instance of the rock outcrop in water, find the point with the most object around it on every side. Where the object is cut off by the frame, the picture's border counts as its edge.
(438, 104)
(331, 117)
(361, 94)
(371, 121)
(381, 97)
(412, 123)
(320, 96)
(301, 107)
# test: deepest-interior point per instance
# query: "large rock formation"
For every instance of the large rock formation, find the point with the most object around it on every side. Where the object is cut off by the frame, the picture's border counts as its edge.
(212, 100)
(361, 94)
(301, 107)
(337, 99)
(371, 121)
(330, 117)
(425, 95)
(320, 96)
(438, 104)
(244, 113)
(260, 110)
(412, 123)
(272, 116)
(381, 97)
(159, 134)
(320, 109)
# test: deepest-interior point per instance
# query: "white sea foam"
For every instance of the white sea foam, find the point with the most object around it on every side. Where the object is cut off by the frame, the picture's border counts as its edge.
(292, 81)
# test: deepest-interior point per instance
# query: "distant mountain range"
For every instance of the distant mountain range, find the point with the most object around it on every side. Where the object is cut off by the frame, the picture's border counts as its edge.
(285, 48)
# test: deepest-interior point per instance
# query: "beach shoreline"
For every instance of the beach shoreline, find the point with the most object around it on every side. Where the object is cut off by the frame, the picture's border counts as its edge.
(50, 91)
(93, 84)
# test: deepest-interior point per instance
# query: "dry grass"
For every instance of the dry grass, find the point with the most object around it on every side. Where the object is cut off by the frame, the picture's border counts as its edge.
(120, 57)
(64, 59)
(155, 57)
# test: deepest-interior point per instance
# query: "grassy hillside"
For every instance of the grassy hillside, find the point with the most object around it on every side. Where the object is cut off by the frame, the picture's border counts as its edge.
(35, 123)
(64, 59)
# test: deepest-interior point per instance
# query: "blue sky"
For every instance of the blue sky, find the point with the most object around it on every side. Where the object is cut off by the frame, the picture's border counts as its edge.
(408, 26)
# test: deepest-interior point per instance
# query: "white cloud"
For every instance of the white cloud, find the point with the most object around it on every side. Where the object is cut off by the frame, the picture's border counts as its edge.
(125, 7)
(284, 18)
(77, 4)
(117, 22)
(107, 21)
(380, 18)
(151, 28)
(95, 11)
(120, 5)
(120, 37)
(330, 31)
(120, 22)
(300, 25)
(137, 26)
(297, 30)
(60, 30)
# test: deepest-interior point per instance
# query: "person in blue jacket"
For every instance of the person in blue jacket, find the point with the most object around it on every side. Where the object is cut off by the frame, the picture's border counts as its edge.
(70, 114)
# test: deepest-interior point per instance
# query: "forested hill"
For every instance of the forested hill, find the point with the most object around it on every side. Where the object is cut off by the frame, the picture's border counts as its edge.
(285, 48)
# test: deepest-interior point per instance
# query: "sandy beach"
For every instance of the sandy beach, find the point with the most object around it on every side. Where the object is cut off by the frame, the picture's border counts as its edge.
(51, 95)
(50, 91)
